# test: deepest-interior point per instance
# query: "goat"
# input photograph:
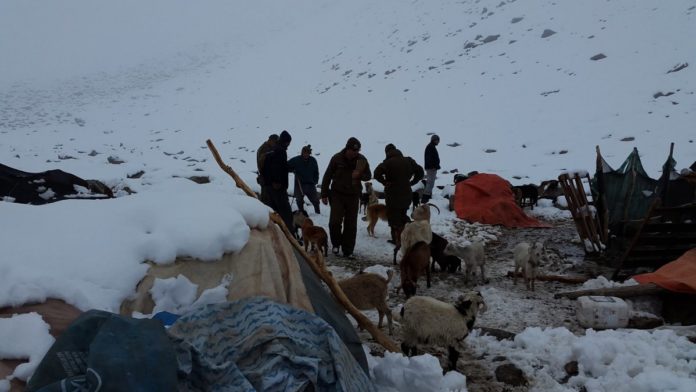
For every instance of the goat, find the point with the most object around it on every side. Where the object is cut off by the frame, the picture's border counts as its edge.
(369, 291)
(314, 235)
(414, 264)
(447, 263)
(526, 195)
(429, 321)
(527, 259)
(473, 256)
(418, 230)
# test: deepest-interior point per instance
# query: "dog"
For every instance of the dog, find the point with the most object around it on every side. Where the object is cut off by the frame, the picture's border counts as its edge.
(368, 198)
(375, 213)
(298, 218)
(315, 236)
(526, 195)
(473, 256)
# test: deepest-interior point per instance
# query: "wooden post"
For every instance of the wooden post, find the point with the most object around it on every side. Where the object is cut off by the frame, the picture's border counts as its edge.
(315, 265)
(621, 292)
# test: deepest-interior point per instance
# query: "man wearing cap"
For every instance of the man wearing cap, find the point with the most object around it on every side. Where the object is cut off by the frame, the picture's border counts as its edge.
(261, 152)
(275, 176)
(342, 186)
(306, 178)
(432, 165)
(397, 173)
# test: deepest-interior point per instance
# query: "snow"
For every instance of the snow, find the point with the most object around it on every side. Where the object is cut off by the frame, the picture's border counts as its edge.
(396, 372)
(24, 336)
(148, 83)
(621, 360)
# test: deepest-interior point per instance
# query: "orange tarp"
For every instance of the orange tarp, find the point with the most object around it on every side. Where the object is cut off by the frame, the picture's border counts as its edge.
(487, 198)
(678, 276)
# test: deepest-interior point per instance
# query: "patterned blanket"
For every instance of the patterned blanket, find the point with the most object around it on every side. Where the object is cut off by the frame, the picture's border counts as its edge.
(256, 344)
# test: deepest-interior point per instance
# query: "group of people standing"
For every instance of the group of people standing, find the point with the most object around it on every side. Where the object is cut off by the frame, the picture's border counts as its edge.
(341, 185)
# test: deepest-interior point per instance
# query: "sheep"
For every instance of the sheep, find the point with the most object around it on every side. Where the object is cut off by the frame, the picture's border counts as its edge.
(369, 291)
(414, 263)
(429, 321)
(527, 259)
(473, 256)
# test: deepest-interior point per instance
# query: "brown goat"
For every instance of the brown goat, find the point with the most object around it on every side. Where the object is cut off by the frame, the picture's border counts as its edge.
(369, 291)
(314, 235)
(414, 264)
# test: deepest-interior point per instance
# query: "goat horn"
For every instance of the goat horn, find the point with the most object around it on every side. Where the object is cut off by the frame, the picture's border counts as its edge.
(438, 210)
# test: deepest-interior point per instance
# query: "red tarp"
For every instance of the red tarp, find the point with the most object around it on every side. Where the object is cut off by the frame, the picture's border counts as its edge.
(678, 276)
(487, 198)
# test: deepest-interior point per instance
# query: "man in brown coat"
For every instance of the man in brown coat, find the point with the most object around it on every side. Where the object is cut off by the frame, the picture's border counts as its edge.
(342, 186)
(397, 173)
(261, 152)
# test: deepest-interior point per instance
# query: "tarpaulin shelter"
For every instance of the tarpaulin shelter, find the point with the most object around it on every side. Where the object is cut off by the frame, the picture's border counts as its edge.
(488, 198)
(622, 194)
(678, 276)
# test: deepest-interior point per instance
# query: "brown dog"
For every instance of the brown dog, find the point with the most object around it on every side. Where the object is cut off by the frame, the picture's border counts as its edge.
(314, 235)
(374, 213)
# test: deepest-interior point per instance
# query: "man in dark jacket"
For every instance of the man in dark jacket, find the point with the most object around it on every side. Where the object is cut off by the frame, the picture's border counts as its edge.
(432, 165)
(306, 178)
(261, 152)
(275, 176)
(397, 173)
(341, 185)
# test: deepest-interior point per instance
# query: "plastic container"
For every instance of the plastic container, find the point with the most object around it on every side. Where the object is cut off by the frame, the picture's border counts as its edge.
(602, 312)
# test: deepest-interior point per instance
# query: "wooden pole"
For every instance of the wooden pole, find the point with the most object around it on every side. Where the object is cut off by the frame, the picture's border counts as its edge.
(621, 292)
(553, 278)
(316, 265)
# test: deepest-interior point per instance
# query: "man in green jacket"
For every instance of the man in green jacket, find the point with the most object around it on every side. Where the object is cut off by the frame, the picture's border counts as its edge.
(342, 186)
(397, 173)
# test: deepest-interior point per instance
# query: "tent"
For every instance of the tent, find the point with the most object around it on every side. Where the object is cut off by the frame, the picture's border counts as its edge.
(488, 198)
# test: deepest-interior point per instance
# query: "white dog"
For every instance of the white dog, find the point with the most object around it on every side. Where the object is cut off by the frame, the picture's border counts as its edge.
(527, 258)
(472, 255)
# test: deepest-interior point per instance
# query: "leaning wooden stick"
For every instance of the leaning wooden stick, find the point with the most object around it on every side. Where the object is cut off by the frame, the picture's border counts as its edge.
(315, 265)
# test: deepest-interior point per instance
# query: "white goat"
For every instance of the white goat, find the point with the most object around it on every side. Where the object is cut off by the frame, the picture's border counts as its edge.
(527, 258)
(429, 321)
(472, 255)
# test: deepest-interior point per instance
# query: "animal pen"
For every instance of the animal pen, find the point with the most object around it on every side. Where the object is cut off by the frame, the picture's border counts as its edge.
(629, 220)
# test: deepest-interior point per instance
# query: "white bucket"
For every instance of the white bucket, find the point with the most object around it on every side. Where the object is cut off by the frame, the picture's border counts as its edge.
(602, 312)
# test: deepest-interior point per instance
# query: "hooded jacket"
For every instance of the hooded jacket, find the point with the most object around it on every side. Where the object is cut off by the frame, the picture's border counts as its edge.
(398, 173)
